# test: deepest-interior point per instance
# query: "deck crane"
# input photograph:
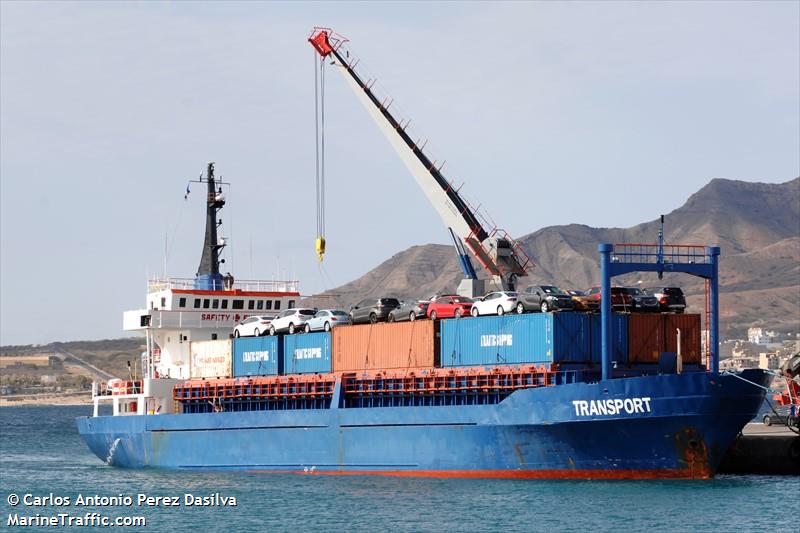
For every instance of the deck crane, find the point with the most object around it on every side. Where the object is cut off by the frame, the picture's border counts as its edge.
(502, 257)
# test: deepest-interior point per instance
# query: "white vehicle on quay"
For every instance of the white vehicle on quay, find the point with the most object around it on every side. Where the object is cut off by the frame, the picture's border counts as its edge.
(326, 319)
(495, 303)
(253, 326)
(291, 321)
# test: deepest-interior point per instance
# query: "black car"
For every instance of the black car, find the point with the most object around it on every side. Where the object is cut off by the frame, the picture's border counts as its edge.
(544, 298)
(641, 302)
(669, 298)
(409, 310)
(371, 310)
(780, 419)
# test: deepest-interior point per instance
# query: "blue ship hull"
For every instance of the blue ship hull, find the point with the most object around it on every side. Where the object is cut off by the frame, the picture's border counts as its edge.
(639, 427)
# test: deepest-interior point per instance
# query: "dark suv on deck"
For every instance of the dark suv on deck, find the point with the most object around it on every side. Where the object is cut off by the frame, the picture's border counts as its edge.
(642, 302)
(371, 310)
(669, 298)
(543, 298)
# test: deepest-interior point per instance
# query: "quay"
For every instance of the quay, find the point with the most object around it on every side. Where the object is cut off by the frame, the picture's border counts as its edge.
(760, 449)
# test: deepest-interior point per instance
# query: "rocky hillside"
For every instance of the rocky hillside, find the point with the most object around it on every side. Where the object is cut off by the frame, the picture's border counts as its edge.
(757, 225)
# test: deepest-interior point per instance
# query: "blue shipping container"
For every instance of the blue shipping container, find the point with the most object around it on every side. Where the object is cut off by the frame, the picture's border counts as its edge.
(514, 339)
(619, 338)
(256, 356)
(307, 353)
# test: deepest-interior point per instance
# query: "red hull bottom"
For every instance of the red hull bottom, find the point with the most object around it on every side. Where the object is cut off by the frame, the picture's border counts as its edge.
(511, 474)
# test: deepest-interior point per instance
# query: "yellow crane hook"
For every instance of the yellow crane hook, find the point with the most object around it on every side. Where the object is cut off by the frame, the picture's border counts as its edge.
(320, 248)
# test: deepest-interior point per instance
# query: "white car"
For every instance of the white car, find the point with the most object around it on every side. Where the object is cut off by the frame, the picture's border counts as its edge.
(495, 303)
(325, 319)
(291, 321)
(253, 326)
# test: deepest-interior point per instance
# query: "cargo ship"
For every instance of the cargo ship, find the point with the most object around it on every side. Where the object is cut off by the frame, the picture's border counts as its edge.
(529, 395)
(536, 395)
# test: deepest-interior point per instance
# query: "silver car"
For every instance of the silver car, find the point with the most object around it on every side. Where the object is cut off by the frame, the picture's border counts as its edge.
(325, 319)
(291, 321)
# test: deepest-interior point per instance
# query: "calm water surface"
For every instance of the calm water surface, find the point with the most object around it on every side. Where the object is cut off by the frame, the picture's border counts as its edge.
(41, 453)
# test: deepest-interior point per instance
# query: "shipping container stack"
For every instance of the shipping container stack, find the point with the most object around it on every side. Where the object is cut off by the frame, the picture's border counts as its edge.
(549, 338)
(562, 341)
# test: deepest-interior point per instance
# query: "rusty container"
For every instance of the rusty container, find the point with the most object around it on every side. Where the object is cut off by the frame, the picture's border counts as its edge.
(690, 336)
(398, 345)
(646, 338)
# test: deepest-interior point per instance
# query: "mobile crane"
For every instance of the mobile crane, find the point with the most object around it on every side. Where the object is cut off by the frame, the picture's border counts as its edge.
(502, 257)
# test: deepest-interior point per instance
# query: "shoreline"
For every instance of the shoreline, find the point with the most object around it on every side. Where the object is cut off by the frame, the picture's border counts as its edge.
(76, 398)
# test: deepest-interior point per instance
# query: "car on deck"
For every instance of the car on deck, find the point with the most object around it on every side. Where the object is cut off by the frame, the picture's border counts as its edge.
(253, 326)
(495, 303)
(450, 306)
(291, 321)
(372, 310)
(327, 319)
(581, 302)
(621, 301)
(409, 310)
(670, 299)
(543, 298)
(641, 302)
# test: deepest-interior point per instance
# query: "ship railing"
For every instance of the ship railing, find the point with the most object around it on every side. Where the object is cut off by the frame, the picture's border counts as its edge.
(455, 382)
(295, 387)
(649, 253)
(250, 285)
(116, 387)
(417, 387)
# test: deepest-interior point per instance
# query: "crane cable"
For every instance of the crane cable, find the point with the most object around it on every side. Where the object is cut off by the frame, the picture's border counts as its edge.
(319, 130)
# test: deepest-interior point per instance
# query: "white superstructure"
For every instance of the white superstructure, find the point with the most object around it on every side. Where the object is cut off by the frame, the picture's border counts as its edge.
(176, 314)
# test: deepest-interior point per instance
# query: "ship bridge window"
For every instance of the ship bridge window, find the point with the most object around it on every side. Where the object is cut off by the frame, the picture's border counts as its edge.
(268, 305)
(224, 304)
(197, 303)
(277, 305)
(238, 304)
(251, 304)
(260, 304)
(206, 301)
(182, 302)
(215, 303)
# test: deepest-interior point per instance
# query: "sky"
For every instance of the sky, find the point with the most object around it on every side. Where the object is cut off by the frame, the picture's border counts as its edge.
(599, 113)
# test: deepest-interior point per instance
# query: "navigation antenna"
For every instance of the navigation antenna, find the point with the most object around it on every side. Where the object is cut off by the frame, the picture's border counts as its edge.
(208, 276)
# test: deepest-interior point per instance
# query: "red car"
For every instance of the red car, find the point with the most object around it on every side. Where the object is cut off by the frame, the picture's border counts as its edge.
(449, 306)
(620, 299)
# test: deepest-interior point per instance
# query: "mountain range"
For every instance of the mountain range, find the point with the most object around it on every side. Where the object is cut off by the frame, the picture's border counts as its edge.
(757, 226)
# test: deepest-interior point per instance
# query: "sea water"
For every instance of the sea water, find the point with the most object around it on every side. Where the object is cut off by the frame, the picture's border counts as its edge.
(42, 455)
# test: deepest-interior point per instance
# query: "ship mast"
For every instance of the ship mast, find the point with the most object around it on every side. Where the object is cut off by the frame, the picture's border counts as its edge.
(208, 276)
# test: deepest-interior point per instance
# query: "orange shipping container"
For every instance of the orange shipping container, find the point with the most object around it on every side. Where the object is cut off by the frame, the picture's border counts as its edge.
(385, 346)
(649, 335)
(645, 338)
(690, 336)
